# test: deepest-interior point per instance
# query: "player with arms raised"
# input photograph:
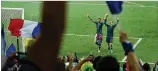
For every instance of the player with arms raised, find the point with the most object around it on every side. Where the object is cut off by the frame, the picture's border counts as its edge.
(110, 29)
(98, 36)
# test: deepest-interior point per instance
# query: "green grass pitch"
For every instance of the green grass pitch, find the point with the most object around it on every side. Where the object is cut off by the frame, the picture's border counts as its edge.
(139, 20)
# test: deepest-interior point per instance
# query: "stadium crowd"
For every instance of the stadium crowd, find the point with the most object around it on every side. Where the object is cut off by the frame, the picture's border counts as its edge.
(89, 63)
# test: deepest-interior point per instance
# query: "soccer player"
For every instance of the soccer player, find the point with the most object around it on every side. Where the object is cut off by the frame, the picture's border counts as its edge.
(98, 36)
(110, 29)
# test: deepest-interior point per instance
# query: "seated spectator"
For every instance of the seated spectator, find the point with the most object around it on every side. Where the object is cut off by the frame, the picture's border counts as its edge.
(11, 63)
(108, 63)
(95, 61)
(87, 66)
(64, 59)
(78, 66)
(146, 67)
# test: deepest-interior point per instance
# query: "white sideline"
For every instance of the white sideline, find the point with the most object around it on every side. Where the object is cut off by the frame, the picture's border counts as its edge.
(106, 4)
(133, 48)
(94, 35)
(143, 62)
(79, 35)
(141, 5)
(134, 3)
(123, 5)
(12, 8)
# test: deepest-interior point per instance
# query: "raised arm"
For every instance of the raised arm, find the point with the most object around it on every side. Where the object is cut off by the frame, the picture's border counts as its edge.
(54, 20)
(129, 51)
(116, 22)
(70, 58)
(90, 18)
(105, 19)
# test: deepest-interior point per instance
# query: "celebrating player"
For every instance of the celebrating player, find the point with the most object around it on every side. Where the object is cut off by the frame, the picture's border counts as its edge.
(110, 29)
(98, 36)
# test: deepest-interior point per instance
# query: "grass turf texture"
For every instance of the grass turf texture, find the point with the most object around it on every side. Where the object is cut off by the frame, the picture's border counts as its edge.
(84, 45)
(135, 20)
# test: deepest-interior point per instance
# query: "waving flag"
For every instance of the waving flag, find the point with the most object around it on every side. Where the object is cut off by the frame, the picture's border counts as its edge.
(24, 28)
(10, 50)
(115, 7)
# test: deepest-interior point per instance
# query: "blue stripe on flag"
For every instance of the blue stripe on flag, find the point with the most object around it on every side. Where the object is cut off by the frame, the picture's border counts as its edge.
(3, 42)
(10, 50)
(115, 7)
(36, 31)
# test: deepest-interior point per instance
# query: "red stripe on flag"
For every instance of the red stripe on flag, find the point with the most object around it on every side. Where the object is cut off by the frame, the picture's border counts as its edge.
(15, 26)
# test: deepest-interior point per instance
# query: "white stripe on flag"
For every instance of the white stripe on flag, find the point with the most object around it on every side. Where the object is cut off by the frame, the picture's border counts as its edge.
(28, 28)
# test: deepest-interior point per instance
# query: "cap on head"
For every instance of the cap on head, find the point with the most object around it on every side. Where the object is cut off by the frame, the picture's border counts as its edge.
(96, 59)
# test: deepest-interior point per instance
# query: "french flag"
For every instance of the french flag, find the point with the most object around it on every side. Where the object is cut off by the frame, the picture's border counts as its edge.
(10, 50)
(24, 28)
(115, 7)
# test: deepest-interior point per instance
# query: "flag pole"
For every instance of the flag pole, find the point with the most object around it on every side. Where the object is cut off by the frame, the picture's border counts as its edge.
(18, 50)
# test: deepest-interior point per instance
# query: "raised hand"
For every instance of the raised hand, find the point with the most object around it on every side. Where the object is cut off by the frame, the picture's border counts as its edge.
(106, 15)
(70, 56)
(127, 46)
(123, 36)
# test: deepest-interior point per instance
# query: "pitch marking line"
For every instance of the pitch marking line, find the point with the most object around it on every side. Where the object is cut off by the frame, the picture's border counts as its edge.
(105, 36)
(138, 5)
(143, 62)
(135, 3)
(105, 4)
(133, 48)
(139, 39)
(81, 35)
(7, 31)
